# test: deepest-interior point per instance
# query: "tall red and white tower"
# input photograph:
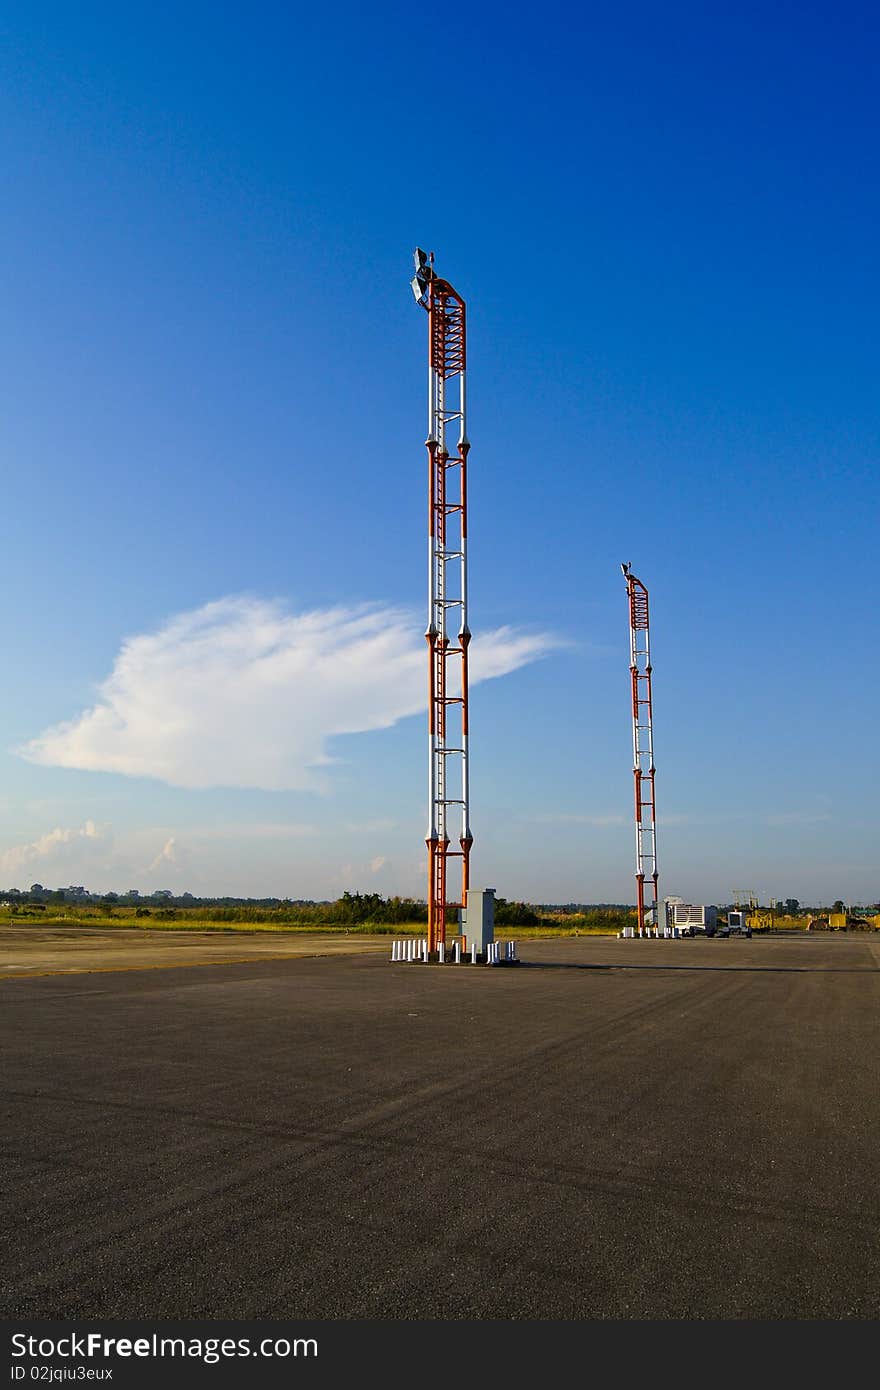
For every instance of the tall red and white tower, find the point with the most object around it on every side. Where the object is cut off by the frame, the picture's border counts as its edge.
(643, 743)
(448, 447)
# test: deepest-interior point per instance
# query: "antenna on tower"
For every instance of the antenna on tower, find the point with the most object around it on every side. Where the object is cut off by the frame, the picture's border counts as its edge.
(643, 743)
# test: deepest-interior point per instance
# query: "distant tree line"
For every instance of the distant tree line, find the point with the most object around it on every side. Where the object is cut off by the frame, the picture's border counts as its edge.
(352, 909)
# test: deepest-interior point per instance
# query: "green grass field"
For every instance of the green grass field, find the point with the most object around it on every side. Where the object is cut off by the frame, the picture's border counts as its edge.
(97, 920)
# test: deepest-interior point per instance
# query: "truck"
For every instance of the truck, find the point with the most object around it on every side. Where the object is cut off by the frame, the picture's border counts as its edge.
(691, 919)
(737, 923)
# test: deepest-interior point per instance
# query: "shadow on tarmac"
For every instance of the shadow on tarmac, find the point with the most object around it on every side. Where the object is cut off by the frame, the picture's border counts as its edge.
(718, 969)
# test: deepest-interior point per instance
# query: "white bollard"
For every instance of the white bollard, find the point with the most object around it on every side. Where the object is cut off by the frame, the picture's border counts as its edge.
(395, 950)
(458, 953)
(473, 953)
(442, 952)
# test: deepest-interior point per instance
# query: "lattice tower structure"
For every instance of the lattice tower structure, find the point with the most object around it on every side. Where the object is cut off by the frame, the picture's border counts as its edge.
(448, 635)
(643, 744)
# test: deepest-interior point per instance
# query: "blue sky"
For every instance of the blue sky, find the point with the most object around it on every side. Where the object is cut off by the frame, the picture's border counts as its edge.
(664, 222)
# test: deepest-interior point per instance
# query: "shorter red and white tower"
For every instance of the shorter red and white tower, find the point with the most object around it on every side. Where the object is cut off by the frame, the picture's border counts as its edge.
(643, 744)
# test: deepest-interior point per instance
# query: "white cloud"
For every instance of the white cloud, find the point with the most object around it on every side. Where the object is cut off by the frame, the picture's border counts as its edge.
(54, 849)
(243, 693)
(378, 863)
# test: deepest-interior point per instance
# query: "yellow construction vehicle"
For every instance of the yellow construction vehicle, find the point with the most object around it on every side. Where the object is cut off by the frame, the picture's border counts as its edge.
(761, 918)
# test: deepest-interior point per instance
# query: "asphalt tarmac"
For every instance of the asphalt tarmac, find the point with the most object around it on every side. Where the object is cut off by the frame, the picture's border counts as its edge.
(614, 1130)
(34, 949)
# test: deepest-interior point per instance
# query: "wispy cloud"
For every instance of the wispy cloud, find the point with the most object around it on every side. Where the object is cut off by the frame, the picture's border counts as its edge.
(780, 818)
(578, 818)
(64, 844)
(253, 830)
(244, 693)
(168, 854)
